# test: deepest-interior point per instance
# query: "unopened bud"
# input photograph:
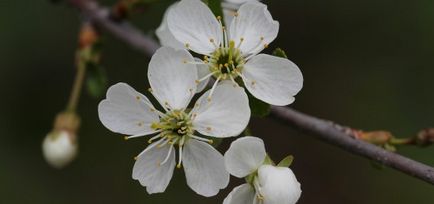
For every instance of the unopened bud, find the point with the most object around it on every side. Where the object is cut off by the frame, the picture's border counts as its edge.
(59, 148)
(425, 137)
(88, 35)
(60, 145)
(375, 137)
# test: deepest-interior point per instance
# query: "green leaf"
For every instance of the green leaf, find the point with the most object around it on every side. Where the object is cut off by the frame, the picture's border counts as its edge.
(278, 52)
(258, 108)
(96, 81)
(268, 161)
(286, 162)
(216, 7)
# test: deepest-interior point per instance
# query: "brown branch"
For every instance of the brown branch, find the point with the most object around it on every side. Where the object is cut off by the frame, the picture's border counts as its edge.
(325, 130)
(122, 30)
(339, 136)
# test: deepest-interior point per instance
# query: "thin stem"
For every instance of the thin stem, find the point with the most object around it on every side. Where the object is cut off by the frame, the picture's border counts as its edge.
(77, 86)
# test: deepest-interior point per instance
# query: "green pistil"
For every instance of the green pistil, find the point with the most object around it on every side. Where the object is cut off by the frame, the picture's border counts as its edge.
(226, 62)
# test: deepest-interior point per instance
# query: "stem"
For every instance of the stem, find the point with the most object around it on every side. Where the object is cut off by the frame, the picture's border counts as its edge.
(77, 86)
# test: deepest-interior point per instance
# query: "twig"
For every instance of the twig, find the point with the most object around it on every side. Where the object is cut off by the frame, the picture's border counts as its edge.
(122, 30)
(325, 130)
(337, 135)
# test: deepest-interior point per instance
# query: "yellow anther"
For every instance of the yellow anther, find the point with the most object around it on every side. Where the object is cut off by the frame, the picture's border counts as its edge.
(187, 45)
(152, 110)
(265, 45)
(197, 81)
(210, 141)
(150, 90)
(138, 97)
(208, 129)
(135, 158)
(178, 166)
(253, 83)
(184, 61)
(209, 99)
(262, 38)
(219, 18)
(126, 138)
(211, 40)
(236, 14)
(241, 39)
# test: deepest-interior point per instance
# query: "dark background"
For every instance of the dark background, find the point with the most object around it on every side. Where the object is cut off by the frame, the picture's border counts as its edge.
(368, 64)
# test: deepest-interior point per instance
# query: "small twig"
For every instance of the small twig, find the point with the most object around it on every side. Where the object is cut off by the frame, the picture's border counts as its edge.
(334, 134)
(325, 130)
(122, 30)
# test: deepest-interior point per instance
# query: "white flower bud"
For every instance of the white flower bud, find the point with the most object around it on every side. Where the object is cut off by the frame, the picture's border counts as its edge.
(59, 148)
(278, 185)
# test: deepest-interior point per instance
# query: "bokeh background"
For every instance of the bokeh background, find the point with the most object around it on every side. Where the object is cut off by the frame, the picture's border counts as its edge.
(368, 64)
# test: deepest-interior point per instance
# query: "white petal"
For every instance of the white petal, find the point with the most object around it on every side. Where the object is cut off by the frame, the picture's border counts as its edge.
(171, 79)
(202, 71)
(127, 111)
(242, 194)
(253, 23)
(278, 185)
(204, 168)
(228, 16)
(226, 115)
(164, 35)
(274, 80)
(148, 171)
(193, 23)
(245, 156)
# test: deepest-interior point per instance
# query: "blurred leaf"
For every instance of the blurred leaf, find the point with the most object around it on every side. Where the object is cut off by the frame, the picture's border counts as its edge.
(258, 107)
(286, 162)
(247, 132)
(96, 81)
(278, 52)
(389, 147)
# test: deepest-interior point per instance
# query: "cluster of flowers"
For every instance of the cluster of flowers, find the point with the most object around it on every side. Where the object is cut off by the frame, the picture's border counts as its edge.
(231, 59)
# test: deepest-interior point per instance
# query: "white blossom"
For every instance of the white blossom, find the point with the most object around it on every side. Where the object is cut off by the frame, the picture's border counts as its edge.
(234, 52)
(172, 82)
(59, 148)
(267, 184)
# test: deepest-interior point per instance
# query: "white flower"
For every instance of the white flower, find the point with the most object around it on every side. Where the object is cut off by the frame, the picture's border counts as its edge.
(128, 112)
(233, 53)
(268, 184)
(59, 148)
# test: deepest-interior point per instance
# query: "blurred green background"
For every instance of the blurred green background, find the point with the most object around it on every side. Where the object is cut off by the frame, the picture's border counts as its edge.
(368, 64)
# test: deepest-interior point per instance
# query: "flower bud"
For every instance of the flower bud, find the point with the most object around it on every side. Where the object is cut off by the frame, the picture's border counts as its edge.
(278, 185)
(60, 145)
(425, 137)
(59, 148)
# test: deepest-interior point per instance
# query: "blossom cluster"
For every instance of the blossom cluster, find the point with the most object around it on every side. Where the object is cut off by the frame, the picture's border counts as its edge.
(183, 129)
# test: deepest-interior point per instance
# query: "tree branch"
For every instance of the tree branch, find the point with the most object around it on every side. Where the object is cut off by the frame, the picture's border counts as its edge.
(122, 30)
(341, 137)
(322, 129)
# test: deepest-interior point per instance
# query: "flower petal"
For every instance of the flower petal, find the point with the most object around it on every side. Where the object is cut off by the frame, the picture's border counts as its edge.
(255, 25)
(225, 115)
(164, 35)
(273, 79)
(202, 71)
(172, 79)
(204, 168)
(127, 111)
(240, 1)
(245, 156)
(278, 185)
(193, 24)
(150, 173)
(242, 194)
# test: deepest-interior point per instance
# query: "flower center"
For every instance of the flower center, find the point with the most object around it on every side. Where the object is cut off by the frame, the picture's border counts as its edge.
(226, 62)
(175, 125)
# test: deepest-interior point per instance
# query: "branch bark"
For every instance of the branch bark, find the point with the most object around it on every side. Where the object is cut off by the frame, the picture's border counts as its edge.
(322, 129)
